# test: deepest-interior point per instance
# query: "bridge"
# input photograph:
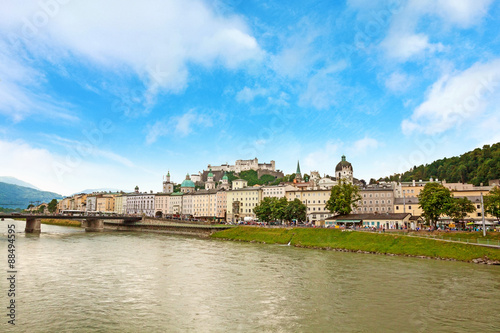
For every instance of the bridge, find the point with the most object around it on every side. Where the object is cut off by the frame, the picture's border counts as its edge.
(93, 222)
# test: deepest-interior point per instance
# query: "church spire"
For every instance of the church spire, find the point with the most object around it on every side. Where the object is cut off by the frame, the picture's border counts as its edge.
(298, 174)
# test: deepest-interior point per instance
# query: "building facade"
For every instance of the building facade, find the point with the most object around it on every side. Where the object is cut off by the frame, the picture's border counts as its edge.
(240, 202)
(376, 199)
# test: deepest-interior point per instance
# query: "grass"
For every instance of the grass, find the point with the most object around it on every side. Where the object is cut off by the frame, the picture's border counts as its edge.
(360, 241)
(65, 223)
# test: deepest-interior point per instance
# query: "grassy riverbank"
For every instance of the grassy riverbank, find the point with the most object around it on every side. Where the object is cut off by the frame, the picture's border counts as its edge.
(360, 241)
(64, 223)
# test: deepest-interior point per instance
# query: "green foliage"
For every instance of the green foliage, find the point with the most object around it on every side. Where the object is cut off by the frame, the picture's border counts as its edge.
(41, 209)
(263, 210)
(52, 206)
(10, 210)
(474, 167)
(251, 176)
(459, 207)
(434, 200)
(343, 198)
(295, 210)
(231, 176)
(360, 241)
(15, 196)
(492, 202)
(274, 209)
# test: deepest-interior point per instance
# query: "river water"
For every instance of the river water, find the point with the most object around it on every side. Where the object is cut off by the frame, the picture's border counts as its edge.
(71, 281)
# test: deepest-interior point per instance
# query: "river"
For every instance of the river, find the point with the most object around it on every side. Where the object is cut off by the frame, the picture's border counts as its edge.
(68, 280)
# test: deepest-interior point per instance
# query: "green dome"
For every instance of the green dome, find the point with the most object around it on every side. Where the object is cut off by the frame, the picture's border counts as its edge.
(210, 174)
(225, 177)
(187, 182)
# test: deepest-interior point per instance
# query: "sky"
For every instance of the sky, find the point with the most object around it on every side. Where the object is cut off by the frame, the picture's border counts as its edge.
(115, 94)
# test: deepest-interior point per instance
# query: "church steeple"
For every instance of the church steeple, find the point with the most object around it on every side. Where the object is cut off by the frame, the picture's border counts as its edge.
(298, 174)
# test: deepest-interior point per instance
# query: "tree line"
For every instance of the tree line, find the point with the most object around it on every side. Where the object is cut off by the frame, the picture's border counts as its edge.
(474, 167)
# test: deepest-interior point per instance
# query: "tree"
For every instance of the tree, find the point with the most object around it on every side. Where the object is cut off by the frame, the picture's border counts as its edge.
(492, 202)
(434, 201)
(278, 207)
(30, 206)
(295, 210)
(52, 206)
(343, 198)
(459, 207)
(264, 209)
(41, 209)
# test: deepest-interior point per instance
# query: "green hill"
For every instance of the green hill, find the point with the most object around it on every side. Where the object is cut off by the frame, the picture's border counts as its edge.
(474, 167)
(15, 196)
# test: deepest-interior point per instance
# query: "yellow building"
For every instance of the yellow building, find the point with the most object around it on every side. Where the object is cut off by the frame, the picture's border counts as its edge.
(105, 203)
(161, 204)
(315, 201)
(120, 204)
(240, 202)
(205, 204)
(221, 205)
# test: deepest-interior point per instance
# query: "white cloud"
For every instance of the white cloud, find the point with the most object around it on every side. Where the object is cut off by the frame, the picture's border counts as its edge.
(157, 39)
(21, 92)
(86, 149)
(403, 43)
(363, 145)
(323, 88)
(464, 13)
(179, 125)
(248, 94)
(323, 160)
(464, 97)
(64, 173)
(398, 82)
(405, 46)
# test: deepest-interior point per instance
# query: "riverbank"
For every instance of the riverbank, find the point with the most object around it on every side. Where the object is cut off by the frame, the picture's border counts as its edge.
(64, 223)
(364, 242)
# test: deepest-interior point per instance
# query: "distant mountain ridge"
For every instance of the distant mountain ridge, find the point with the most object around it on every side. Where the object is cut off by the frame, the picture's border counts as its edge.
(87, 191)
(15, 196)
(15, 181)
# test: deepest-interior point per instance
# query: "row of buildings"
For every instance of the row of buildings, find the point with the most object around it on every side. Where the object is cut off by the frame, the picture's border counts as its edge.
(221, 200)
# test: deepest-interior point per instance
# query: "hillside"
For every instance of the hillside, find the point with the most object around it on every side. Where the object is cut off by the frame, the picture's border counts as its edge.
(15, 181)
(15, 196)
(474, 167)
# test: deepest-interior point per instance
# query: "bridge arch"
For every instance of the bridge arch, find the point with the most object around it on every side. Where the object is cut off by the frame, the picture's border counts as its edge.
(159, 214)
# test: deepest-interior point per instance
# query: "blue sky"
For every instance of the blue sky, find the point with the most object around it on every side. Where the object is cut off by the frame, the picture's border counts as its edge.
(114, 95)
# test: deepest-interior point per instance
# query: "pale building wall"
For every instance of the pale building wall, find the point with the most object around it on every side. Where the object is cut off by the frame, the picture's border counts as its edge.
(248, 198)
(315, 201)
(221, 204)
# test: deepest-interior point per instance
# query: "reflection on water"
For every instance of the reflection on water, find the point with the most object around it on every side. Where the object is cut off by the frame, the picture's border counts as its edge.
(72, 281)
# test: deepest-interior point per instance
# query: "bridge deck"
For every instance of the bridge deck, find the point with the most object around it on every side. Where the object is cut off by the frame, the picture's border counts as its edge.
(70, 217)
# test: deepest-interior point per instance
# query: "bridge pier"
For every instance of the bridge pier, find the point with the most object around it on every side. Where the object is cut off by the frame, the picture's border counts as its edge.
(94, 225)
(32, 225)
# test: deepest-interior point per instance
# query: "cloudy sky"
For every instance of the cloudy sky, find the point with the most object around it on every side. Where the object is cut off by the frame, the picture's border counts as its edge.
(114, 94)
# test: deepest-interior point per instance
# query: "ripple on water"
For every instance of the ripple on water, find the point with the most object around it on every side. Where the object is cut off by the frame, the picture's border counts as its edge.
(129, 282)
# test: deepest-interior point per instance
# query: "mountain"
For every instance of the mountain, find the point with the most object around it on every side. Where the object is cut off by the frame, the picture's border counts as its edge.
(15, 196)
(87, 191)
(474, 167)
(15, 181)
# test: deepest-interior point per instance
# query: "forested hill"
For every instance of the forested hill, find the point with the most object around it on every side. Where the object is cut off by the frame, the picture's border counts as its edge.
(474, 167)
(15, 196)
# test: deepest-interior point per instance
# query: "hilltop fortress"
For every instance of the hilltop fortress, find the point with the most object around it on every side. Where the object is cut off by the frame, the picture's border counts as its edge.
(244, 165)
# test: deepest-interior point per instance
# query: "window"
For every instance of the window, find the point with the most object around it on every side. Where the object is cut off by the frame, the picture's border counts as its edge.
(409, 207)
